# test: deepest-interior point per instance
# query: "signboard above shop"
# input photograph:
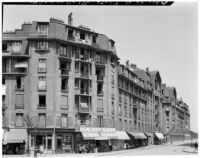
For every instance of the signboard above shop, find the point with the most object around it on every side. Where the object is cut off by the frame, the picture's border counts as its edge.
(96, 129)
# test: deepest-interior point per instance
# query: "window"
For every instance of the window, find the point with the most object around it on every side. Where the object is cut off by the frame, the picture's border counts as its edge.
(113, 122)
(83, 119)
(3, 80)
(64, 120)
(42, 83)
(64, 101)
(112, 78)
(100, 121)
(64, 84)
(94, 38)
(98, 57)
(42, 101)
(70, 34)
(42, 119)
(43, 29)
(19, 82)
(120, 124)
(42, 65)
(42, 45)
(82, 35)
(125, 111)
(100, 105)
(100, 88)
(5, 47)
(19, 101)
(120, 109)
(16, 47)
(19, 120)
(113, 107)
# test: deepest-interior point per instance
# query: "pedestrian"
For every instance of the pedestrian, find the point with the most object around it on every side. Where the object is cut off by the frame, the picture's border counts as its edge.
(195, 146)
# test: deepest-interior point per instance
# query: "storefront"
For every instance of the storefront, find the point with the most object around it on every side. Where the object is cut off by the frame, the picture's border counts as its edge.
(14, 141)
(158, 138)
(42, 138)
(64, 140)
(137, 139)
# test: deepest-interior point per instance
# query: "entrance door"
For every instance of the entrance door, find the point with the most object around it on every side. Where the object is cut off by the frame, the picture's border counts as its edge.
(40, 140)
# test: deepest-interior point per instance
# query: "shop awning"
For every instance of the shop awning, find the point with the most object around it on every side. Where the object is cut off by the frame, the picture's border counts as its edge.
(15, 136)
(138, 135)
(109, 135)
(122, 135)
(159, 135)
(84, 105)
(187, 135)
(21, 65)
(90, 135)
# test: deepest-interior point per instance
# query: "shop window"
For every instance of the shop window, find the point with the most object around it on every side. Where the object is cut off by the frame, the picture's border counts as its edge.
(49, 143)
(42, 101)
(19, 120)
(42, 83)
(64, 121)
(42, 65)
(59, 142)
(42, 119)
(82, 35)
(19, 101)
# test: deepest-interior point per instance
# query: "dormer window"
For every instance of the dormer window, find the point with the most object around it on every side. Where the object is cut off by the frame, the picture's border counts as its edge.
(43, 28)
(82, 35)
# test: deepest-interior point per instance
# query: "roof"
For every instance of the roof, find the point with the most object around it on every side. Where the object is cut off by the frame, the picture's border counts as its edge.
(153, 75)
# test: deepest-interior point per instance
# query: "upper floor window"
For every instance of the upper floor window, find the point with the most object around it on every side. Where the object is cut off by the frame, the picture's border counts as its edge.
(82, 35)
(42, 65)
(19, 120)
(16, 47)
(19, 82)
(70, 34)
(42, 45)
(94, 39)
(42, 119)
(43, 29)
(100, 121)
(64, 120)
(42, 83)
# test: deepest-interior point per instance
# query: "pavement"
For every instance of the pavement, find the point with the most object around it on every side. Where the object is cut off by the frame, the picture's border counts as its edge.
(176, 148)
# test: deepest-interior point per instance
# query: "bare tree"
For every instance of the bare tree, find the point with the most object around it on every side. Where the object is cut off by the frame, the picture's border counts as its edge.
(29, 124)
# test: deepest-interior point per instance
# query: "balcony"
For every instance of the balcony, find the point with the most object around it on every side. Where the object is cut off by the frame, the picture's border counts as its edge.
(64, 72)
(100, 63)
(19, 106)
(71, 38)
(100, 109)
(41, 106)
(84, 91)
(14, 54)
(19, 87)
(42, 88)
(64, 89)
(42, 70)
(100, 78)
(64, 56)
(83, 110)
(100, 93)
(15, 71)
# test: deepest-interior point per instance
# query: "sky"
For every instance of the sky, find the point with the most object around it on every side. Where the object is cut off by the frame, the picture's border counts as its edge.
(161, 38)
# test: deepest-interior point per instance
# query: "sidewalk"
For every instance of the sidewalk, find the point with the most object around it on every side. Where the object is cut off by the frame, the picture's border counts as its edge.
(186, 149)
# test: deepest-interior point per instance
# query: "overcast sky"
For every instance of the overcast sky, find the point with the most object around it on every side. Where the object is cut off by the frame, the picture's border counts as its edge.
(161, 38)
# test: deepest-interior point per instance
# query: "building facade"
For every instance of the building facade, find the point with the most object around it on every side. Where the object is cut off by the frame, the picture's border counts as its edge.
(66, 78)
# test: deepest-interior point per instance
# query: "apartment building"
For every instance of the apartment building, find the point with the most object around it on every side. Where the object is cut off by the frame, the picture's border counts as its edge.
(63, 77)
(68, 80)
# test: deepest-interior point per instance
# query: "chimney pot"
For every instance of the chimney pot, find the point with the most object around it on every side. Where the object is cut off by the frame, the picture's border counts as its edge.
(70, 19)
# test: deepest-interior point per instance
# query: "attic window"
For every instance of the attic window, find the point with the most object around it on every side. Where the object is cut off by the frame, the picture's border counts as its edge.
(43, 28)
(94, 38)
(82, 36)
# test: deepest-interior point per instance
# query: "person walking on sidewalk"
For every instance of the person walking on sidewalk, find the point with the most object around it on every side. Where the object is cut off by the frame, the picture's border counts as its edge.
(195, 146)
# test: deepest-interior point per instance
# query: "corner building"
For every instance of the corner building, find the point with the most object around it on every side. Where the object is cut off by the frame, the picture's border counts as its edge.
(63, 77)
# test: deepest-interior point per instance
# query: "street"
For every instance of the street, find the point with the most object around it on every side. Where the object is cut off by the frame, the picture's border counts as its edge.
(177, 148)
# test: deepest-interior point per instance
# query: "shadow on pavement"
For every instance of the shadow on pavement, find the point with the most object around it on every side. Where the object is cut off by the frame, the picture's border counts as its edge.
(190, 151)
(186, 144)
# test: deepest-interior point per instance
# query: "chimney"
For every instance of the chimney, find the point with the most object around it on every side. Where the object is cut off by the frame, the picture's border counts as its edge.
(70, 19)
(147, 69)
(127, 63)
(133, 66)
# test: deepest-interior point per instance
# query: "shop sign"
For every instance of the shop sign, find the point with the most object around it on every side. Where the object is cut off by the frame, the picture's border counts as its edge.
(97, 129)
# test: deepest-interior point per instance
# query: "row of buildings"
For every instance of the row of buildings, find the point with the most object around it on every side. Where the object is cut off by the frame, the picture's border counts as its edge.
(68, 80)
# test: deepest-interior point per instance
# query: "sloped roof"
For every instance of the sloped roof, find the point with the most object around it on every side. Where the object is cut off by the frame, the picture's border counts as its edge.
(153, 75)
